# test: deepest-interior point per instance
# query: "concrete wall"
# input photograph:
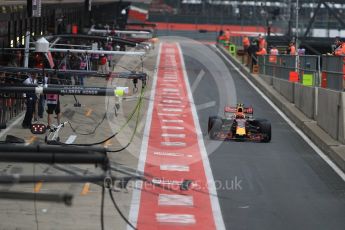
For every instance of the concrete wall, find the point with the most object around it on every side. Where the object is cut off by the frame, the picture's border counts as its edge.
(328, 111)
(304, 99)
(267, 78)
(341, 123)
(285, 88)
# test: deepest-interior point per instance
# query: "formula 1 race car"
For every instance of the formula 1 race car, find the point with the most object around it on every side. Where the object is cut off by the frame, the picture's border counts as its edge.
(238, 124)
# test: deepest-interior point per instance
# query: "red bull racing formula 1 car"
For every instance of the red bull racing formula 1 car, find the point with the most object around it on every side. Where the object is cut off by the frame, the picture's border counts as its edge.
(238, 124)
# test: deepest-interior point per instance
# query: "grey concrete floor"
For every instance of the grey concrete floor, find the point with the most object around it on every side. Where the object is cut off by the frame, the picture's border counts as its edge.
(85, 211)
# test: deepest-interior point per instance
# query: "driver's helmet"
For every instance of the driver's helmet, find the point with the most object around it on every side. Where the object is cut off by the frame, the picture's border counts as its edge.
(239, 112)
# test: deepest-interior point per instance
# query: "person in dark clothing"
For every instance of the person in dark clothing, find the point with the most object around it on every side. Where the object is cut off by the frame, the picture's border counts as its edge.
(337, 43)
(31, 99)
(252, 50)
(43, 80)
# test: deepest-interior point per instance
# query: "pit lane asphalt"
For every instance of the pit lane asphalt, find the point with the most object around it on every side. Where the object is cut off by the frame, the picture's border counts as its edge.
(283, 184)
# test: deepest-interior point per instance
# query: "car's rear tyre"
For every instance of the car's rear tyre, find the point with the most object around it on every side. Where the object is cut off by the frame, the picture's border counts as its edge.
(214, 126)
(265, 129)
(210, 123)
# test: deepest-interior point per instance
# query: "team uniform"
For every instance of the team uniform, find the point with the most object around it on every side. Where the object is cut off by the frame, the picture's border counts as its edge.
(53, 103)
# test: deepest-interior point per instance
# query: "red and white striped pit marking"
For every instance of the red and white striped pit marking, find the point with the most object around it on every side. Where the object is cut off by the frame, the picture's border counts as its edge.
(173, 151)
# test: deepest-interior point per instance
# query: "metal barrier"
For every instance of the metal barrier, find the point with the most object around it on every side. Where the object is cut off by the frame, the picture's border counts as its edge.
(277, 65)
(262, 66)
(236, 40)
(284, 67)
(332, 72)
(11, 105)
(309, 70)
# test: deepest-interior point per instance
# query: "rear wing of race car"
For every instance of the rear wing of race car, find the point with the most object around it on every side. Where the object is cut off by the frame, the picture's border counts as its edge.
(246, 110)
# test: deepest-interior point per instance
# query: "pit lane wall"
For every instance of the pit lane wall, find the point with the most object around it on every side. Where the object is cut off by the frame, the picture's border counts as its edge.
(325, 106)
(319, 112)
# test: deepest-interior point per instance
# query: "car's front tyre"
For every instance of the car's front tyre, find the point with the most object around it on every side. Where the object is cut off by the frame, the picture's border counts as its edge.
(214, 126)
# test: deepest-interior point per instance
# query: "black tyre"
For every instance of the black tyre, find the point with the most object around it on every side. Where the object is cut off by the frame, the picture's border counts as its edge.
(211, 121)
(265, 129)
(215, 125)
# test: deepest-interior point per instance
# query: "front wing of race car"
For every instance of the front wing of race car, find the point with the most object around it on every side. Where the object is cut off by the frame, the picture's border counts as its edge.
(228, 135)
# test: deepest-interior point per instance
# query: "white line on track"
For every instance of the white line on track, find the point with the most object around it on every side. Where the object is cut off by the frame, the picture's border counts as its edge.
(71, 139)
(206, 105)
(172, 167)
(299, 131)
(135, 203)
(170, 97)
(169, 143)
(174, 106)
(170, 90)
(171, 102)
(169, 85)
(197, 80)
(173, 127)
(172, 154)
(175, 200)
(172, 110)
(15, 122)
(173, 135)
(169, 114)
(169, 218)
(173, 121)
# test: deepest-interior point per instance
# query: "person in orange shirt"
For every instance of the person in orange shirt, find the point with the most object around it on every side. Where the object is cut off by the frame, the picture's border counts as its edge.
(261, 41)
(340, 50)
(274, 51)
(227, 35)
(262, 51)
(245, 43)
(335, 46)
(292, 48)
(273, 54)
